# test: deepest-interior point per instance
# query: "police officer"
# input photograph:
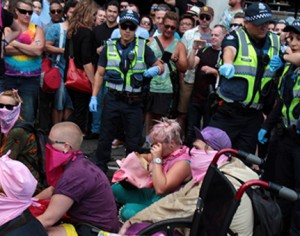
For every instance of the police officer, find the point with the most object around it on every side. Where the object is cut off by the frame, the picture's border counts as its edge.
(122, 67)
(287, 109)
(246, 80)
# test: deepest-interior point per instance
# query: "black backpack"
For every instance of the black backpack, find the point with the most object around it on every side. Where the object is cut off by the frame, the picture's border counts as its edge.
(267, 213)
(41, 139)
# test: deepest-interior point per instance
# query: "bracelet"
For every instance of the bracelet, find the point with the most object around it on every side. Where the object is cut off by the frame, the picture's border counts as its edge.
(5, 42)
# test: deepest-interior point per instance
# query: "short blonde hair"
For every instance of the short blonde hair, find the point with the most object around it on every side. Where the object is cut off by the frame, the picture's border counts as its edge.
(166, 130)
(13, 94)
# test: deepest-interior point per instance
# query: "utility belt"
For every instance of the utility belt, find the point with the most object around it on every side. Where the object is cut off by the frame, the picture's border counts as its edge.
(130, 98)
(291, 132)
(236, 108)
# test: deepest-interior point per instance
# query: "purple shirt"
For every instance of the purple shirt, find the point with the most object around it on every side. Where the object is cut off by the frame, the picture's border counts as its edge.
(90, 189)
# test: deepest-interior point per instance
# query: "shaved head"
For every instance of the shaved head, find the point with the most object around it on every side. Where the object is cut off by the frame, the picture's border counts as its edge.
(68, 132)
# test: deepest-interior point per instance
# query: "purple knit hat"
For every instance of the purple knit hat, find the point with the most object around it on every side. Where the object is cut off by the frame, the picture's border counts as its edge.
(214, 137)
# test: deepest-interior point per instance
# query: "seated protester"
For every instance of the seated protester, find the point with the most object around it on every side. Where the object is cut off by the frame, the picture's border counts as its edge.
(171, 169)
(182, 203)
(78, 187)
(17, 185)
(20, 141)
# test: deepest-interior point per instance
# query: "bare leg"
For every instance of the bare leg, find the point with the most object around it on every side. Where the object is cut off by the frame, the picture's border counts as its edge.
(57, 116)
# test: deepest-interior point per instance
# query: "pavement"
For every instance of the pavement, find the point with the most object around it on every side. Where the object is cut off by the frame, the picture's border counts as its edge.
(89, 146)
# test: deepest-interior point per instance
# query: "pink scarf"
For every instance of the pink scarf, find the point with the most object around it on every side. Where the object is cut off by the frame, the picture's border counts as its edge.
(200, 160)
(18, 185)
(8, 118)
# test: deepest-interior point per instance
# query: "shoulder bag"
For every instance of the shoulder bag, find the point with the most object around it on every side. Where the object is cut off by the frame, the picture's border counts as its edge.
(77, 79)
(51, 79)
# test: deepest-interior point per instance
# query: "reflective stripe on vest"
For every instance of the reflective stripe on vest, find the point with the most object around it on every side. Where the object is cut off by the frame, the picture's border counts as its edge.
(287, 110)
(245, 66)
(137, 65)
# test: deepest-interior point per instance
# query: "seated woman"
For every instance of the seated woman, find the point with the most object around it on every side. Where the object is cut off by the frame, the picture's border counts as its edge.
(182, 203)
(20, 141)
(17, 186)
(171, 169)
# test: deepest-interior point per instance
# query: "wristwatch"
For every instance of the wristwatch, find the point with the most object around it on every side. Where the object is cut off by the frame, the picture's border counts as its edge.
(157, 160)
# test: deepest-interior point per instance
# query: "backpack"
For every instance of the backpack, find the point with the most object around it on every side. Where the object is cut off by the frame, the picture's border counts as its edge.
(267, 213)
(41, 140)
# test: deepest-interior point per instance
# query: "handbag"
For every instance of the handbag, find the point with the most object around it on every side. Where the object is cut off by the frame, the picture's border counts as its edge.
(77, 79)
(51, 78)
(134, 170)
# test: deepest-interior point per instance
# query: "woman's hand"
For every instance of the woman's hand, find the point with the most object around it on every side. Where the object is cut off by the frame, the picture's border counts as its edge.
(156, 151)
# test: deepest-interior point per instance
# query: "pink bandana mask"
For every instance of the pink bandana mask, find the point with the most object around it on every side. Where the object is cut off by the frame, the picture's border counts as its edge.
(55, 161)
(8, 118)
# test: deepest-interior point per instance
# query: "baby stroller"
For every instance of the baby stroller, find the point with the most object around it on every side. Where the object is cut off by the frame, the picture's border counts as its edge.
(213, 214)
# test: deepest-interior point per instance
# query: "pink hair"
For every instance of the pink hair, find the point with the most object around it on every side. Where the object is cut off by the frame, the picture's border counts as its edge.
(166, 130)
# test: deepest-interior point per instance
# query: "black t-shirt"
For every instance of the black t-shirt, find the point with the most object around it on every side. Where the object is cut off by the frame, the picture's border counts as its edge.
(208, 57)
(84, 47)
(149, 56)
(103, 33)
(7, 20)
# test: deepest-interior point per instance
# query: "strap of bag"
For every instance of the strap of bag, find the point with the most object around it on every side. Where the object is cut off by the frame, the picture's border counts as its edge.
(162, 50)
(71, 52)
(61, 37)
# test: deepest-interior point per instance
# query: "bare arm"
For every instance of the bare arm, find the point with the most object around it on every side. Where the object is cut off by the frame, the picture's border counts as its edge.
(98, 80)
(50, 48)
(46, 193)
(229, 54)
(14, 32)
(193, 60)
(176, 175)
(58, 206)
(89, 70)
(210, 70)
(34, 49)
(160, 64)
(179, 57)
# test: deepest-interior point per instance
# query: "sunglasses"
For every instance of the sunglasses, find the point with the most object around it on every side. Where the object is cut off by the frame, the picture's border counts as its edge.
(52, 142)
(131, 27)
(24, 12)
(58, 11)
(124, 6)
(7, 106)
(145, 23)
(207, 17)
(170, 27)
(235, 25)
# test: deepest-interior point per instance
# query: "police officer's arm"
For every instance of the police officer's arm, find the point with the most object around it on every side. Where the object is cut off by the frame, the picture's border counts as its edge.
(179, 58)
(229, 53)
(98, 80)
(151, 60)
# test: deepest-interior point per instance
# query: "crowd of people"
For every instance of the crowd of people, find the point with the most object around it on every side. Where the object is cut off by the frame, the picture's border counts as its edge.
(155, 78)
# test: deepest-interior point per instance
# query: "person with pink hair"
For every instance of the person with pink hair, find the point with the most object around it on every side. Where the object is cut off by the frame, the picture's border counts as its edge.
(170, 163)
(17, 186)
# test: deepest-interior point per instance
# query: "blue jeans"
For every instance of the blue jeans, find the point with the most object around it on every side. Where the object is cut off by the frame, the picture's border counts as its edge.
(96, 116)
(28, 89)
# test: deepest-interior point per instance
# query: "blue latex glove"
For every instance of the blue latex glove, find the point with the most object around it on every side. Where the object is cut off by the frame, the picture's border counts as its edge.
(262, 136)
(152, 71)
(298, 131)
(93, 104)
(227, 70)
(275, 63)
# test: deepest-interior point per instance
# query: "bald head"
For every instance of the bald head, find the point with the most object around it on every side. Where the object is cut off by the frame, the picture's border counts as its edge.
(67, 132)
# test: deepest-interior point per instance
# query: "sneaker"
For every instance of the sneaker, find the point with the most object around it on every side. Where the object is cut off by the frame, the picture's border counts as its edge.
(117, 144)
(91, 136)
